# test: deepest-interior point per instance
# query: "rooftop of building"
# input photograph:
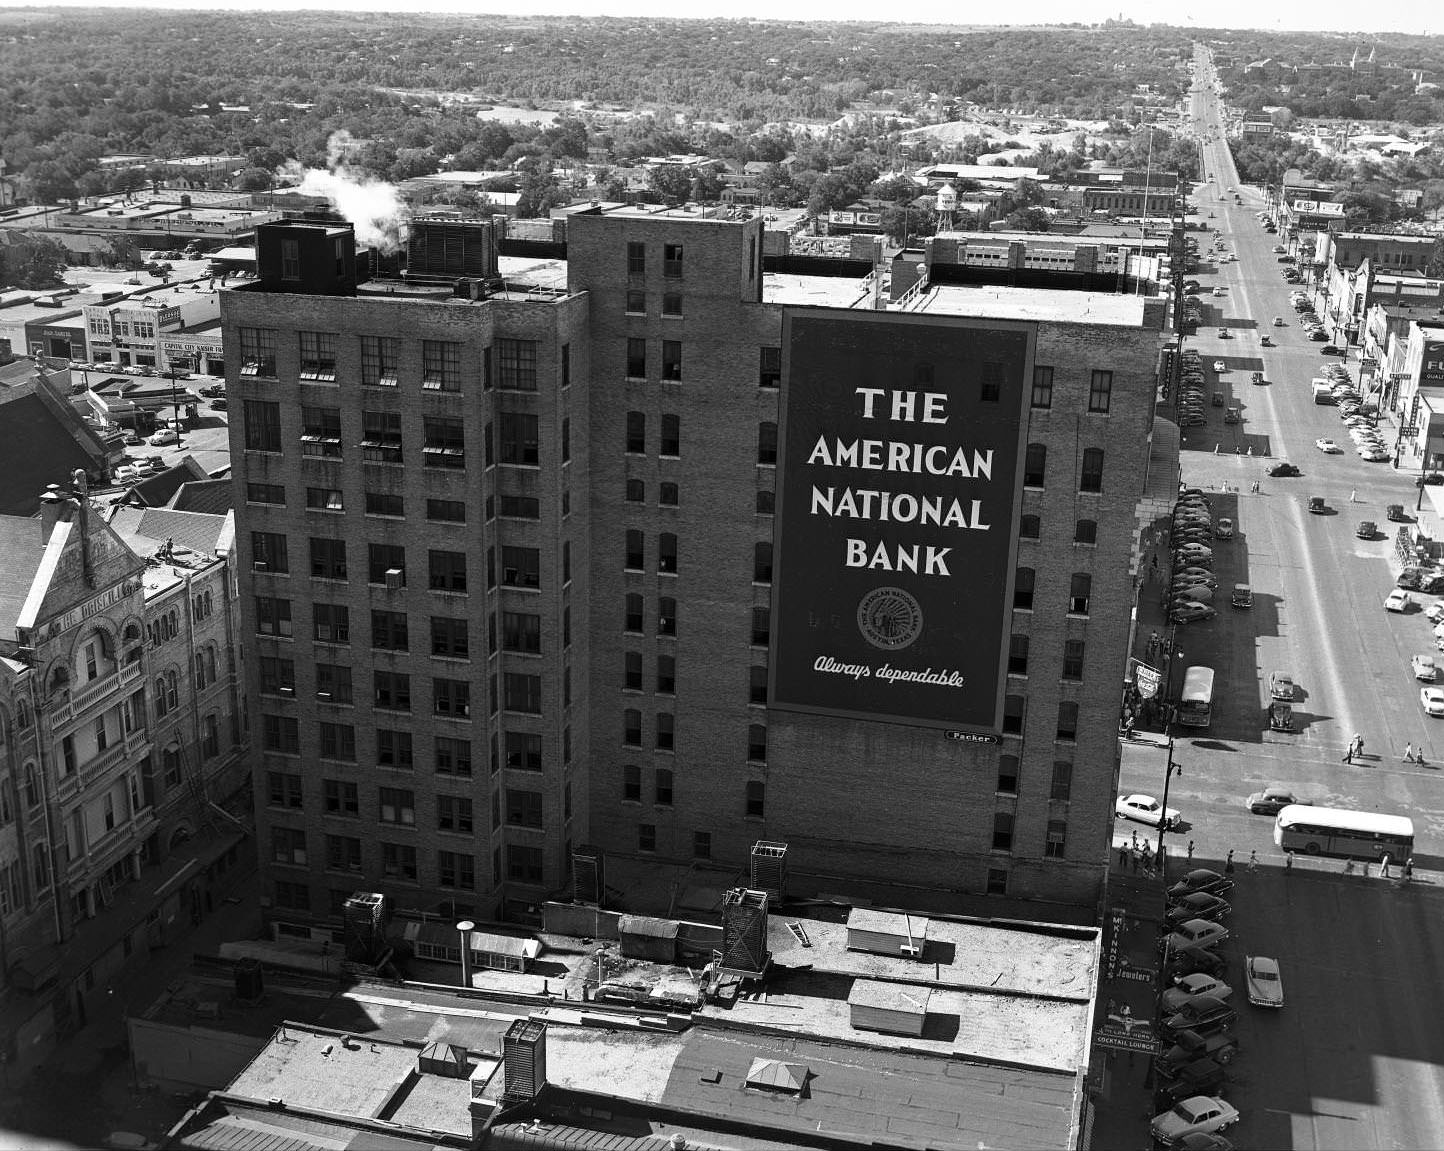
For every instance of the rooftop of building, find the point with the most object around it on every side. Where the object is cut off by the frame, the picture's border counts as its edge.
(20, 555)
(179, 541)
(43, 440)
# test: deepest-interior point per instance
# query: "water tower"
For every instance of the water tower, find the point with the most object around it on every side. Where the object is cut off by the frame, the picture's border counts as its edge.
(947, 208)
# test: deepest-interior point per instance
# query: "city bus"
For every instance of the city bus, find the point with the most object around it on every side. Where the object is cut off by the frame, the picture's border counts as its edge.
(1195, 702)
(1346, 834)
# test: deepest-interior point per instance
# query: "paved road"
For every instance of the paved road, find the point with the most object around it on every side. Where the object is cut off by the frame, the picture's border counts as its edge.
(1355, 1059)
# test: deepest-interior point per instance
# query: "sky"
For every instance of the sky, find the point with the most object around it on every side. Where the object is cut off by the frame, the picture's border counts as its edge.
(1317, 15)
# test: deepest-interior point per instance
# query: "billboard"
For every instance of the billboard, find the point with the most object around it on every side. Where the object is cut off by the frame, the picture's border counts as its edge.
(901, 472)
(1431, 364)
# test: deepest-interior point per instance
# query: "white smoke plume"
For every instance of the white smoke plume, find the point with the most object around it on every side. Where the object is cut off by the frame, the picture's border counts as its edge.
(374, 207)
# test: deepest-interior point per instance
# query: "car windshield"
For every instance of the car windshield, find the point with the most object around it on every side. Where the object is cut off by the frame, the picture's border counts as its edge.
(1185, 1112)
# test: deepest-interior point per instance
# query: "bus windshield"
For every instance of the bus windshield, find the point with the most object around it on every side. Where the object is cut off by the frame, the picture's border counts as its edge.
(1347, 834)
(1195, 703)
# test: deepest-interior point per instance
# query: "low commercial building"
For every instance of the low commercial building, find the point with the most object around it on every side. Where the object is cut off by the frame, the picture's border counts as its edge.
(176, 325)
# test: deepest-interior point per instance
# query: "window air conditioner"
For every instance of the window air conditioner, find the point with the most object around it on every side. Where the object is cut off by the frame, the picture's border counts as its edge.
(395, 579)
(259, 565)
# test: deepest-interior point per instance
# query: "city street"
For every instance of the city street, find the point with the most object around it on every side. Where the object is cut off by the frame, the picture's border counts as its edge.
(1353, 1060)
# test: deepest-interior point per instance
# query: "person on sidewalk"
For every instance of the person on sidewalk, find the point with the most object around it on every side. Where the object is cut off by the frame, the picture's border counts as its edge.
(1190, 851)
(1408, 873)
(1228, 863)
(1348, 753)
(1288, 862)
(1252, 862)
(1408, 753)
(1384, 868)
(1123, 857)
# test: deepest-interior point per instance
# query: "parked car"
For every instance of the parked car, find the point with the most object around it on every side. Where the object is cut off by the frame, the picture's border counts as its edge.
(1196, 575)
(133, 440)
(1397, 600)
(1189, 1046)
(163, 437)
(1265, 986)
(1198, 905)
(219, 405)
(1193, 934)
(1270, 801)
(1199, 1114)
(1424, 668)
(210, 391)
(1431, 699)
(127, 474)
(1189, 612)
(1196, 1078)
(1200, 879)
(1187, 962)
(1203, 1014)
(1145, 809)
(1192, 987)
(1281, 685)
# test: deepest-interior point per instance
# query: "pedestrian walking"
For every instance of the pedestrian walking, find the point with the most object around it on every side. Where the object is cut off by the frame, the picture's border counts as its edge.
(1190, 851)
(1123, 857)
(1408, 753)
(1135, 840)
(1366, 869)
(1288, 862)
(1252, 862)
(1228, 863)
(1358, 746)
(1348, 867)
(1348, 753)
(1409, 868)
(1147, 852)
(1133, 856)
(1353, 495)
(1384, 867)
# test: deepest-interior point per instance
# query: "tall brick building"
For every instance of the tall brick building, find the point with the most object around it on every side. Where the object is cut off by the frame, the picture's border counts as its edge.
(507, 531)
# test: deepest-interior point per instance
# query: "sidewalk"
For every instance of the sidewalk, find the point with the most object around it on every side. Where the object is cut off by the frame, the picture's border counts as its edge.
(84, 1090)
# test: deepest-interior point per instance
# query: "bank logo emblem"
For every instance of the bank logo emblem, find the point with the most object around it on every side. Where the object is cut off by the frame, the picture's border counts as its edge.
(889, 618)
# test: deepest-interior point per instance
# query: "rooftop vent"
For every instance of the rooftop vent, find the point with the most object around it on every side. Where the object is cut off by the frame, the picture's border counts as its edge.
(775, 1075)
(444, 1059)
(524, 1060)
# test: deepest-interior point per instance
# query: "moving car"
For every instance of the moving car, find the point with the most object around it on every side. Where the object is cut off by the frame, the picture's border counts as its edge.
(1281, 685)
(1198, 905)
(1201, 1114)
(1193, 934)
(1328, 447)
(1265, 987)
(1191, 987)
(1317, 507)
(1284, 471)
(1394, 513)
(1270, 801)
(163, 437)
(1424, 668)
(1366, 530)
(1223, 333)
(1145, 809)
(1219, 366)
(1431, 699)
(1224, 529)
(1242, 595)
(1397, 600)
(1200, 879)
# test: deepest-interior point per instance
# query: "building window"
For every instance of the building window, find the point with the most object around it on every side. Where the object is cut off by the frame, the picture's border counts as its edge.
(443, 442)
(1008, 774)
(666, 615)
(379, 356)
(273, 616)
(636, 258)
(338, 741)
(631, 671)
(290, 259)
(1013, 715)
(397, 805)
(667, 495)
(671, 359)
(672, 259)
(1073, 659)
(1056, 843)
(1042, 386)
(667, 553)
(646, 837)
(672, 305)
(755, 799)
(636, 358)
(1062, 788)
(1100, 392)
(1023, 589)
(636, 433)
(331, 623)
(516, 365)
(997, 881)
(398, 861)
(1079, 593)
(522, 693)
(634, 558)
(451, 697)
(769, 368)
(391, 690)
(702, 845)
(1029, 527)
(328, 559)
(521, 567)
(457, 870)
(671, 441)
(268, 552)
(666, 731)
(263, 426)
(292, 896)
(761, 626)
(524, 864)
(393, 748)
(1003, 831)
(440, 366)
(1085, 532)
(1018, 655)
(333, 683)
(446, 511)
(632, 614)
(762, 563)
(325, 500)
(450, 638)
(1035, 465)
(278, 676)
(343, 853)
(636, 302)
(284, 789)
(756, 684)
(381, 438)
(767, 443)
(524, 750)
(662, 789)
(446, 571)
(757, 743)
(258, 352)
(388, 630)
(631, 783)
(288, 845)
(632, 727)
(519, 439)
(280, 733)
(266, 493)
(1067, 721)
(1092, 477)
(452, 756)
(991, 383)
(341, 797)
(318, 356)
(523, 808)
(666, 675)
(520, 507)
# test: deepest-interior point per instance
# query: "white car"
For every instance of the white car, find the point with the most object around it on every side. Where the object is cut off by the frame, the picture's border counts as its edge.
(1374, 455)
(1434, 613)
(1219, 366)
(1191, 987)
(1198, 1115)
(163, 437)
(1397, 600)
(1145, 809)
(1431, 699)
(1328, 447)
(1424, 668)
(1265, 988)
